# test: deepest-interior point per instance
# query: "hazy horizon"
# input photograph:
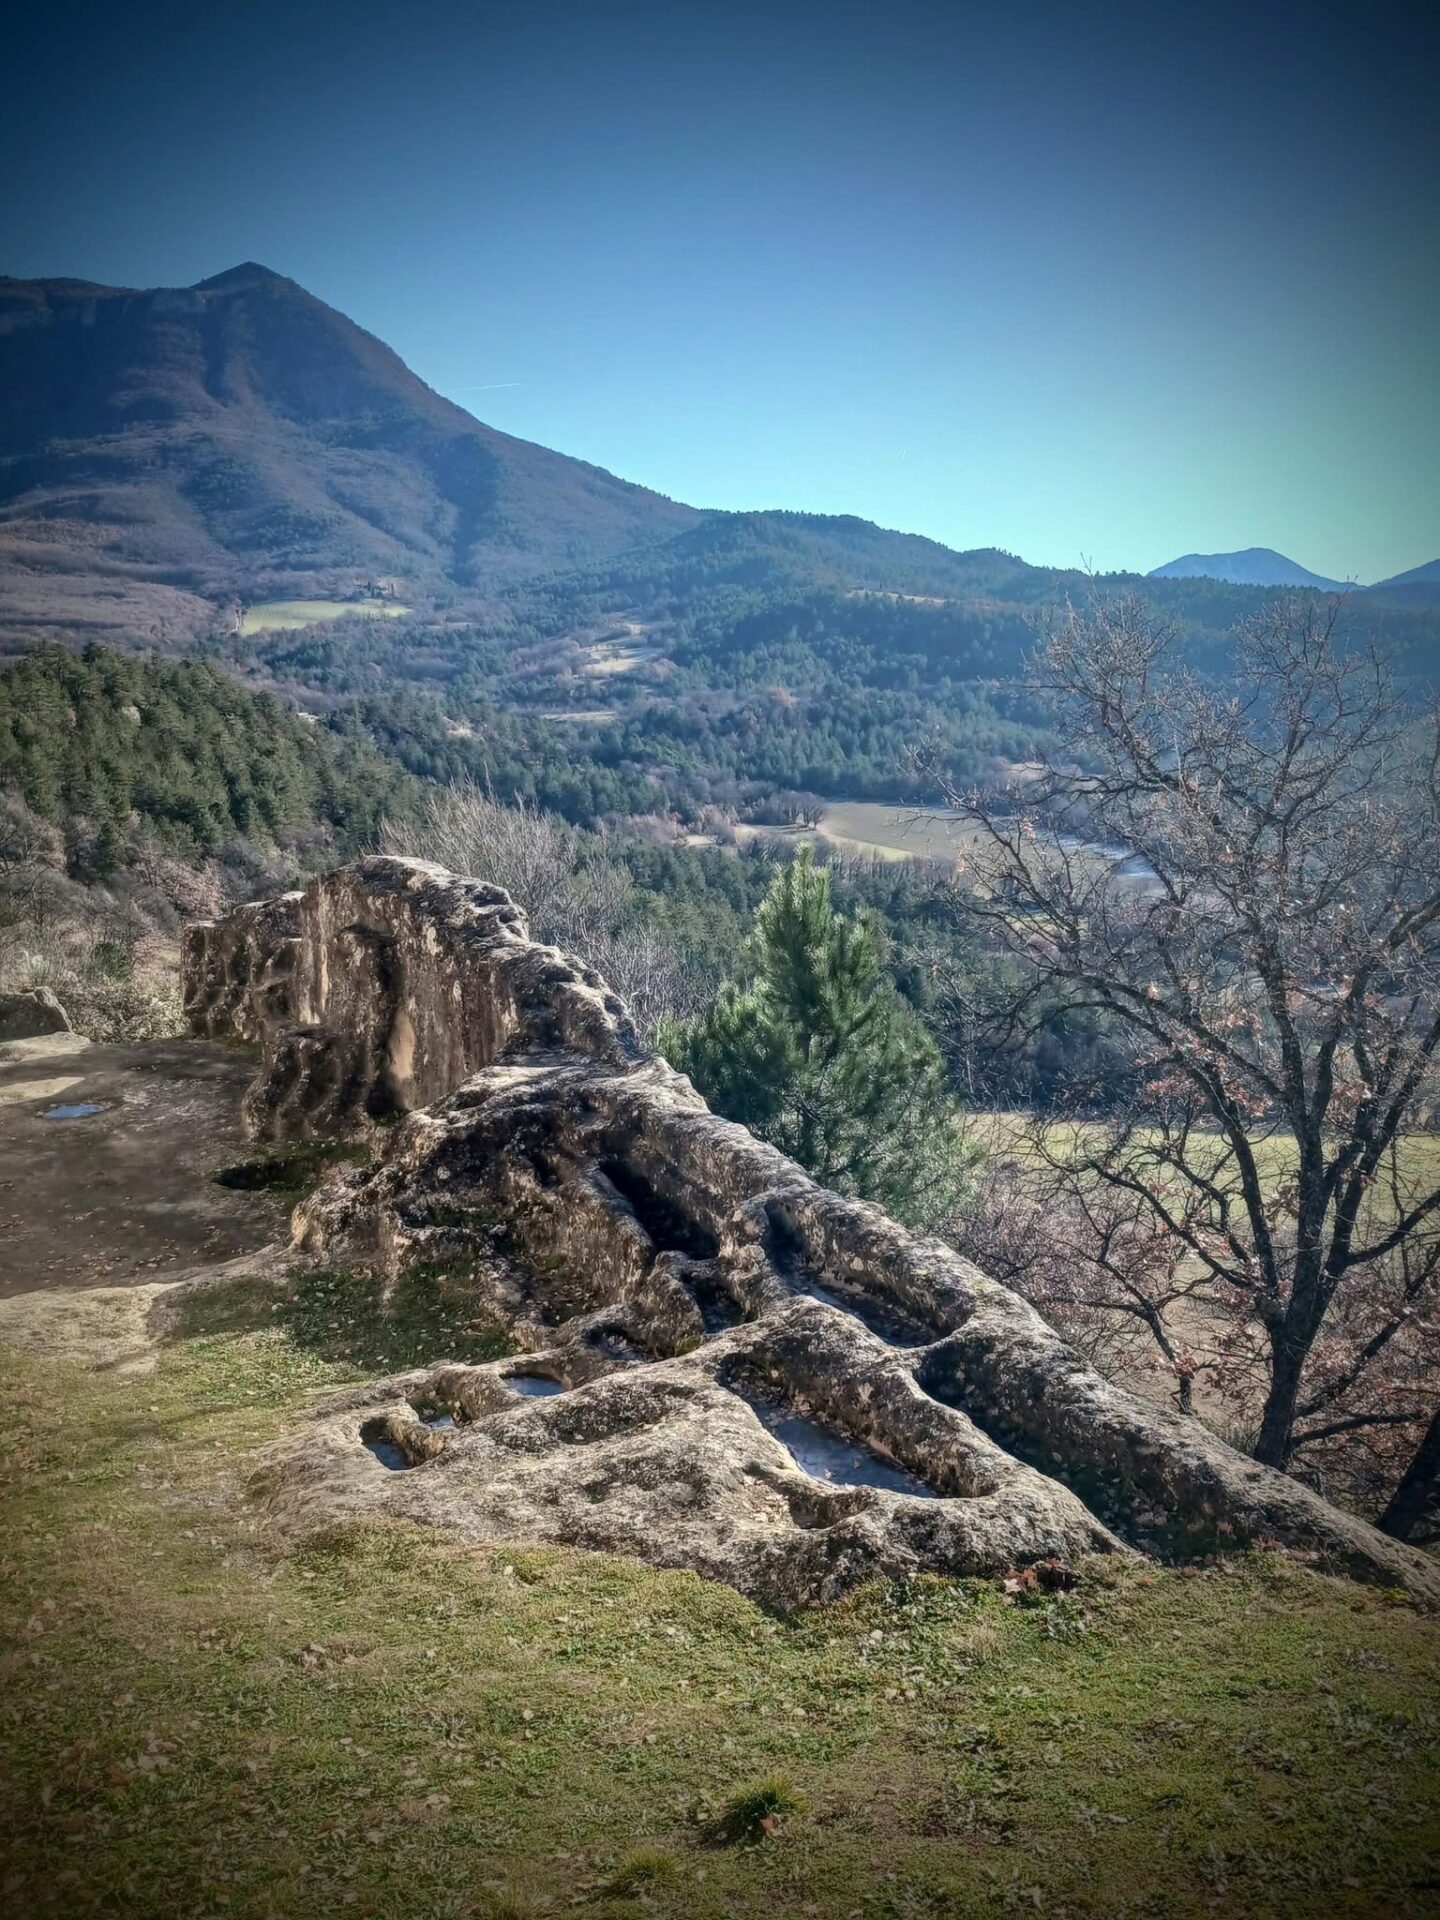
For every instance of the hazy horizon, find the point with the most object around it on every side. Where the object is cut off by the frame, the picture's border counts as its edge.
(1097, 294)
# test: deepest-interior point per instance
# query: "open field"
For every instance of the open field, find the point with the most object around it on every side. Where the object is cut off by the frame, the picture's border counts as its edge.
(203, 1717)
(882, 830)
(610, 657)
(1008, 1135)
(273, 616)
(878, 830)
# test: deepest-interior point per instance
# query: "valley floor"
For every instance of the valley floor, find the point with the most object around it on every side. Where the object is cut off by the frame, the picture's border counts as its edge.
(201, 1716)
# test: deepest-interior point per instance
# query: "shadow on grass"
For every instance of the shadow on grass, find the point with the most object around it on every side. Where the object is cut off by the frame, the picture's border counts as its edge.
(431, 1314)
(293, 1171)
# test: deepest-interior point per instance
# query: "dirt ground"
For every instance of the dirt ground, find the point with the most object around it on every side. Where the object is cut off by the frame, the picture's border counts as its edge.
(124, 1195)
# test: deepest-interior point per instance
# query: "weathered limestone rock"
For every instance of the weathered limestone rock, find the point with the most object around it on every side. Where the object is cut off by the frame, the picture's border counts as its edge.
(686, 1286)
(24, 1016)
(670, 1461)
(236, 973)
(380, 988)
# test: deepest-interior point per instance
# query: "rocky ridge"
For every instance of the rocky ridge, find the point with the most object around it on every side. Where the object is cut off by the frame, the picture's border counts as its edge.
(686, 1298)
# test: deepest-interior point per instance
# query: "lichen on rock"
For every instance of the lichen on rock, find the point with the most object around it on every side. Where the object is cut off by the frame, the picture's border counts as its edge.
(680, 1280)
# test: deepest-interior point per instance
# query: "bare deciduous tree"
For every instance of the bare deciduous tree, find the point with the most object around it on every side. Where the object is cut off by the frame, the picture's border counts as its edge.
(1244, 881)
(31, 856)
(534, 855)
(1096, 1262)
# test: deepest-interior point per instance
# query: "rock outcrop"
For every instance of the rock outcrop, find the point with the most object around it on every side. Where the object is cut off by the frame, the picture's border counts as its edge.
(26, 1016)
(695, 1311)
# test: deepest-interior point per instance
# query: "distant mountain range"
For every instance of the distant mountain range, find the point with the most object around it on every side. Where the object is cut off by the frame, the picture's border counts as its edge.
(165, 455)
(1419, 588)
(1428, 575)
(1263, 567)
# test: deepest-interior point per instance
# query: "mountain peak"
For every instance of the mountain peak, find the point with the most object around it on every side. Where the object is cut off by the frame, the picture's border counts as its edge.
(249, 273)
(1249, 567)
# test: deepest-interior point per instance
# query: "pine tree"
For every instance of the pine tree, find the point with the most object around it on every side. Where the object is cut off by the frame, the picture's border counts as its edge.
(815, 1051)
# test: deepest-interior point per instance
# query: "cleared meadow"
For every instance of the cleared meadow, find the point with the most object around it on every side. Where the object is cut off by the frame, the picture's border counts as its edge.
(276, 616)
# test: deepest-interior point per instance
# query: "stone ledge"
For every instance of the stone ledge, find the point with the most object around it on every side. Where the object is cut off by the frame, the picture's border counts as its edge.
(674, 1275)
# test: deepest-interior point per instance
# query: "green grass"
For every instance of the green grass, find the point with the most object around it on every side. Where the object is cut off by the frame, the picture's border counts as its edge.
(1007, 1134)
(350, 1320)
(200, 1716)
(272, 616)
(756, 1811)
(643, 1870)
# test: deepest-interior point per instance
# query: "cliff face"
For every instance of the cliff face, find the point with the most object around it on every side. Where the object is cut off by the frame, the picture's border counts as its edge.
(697, 1315)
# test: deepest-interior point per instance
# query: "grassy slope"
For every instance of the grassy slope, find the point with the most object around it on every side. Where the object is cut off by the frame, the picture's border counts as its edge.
(202, 1719)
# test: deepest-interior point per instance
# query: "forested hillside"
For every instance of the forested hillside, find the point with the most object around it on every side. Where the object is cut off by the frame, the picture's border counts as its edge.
(752, 655)
(167, 452)
(105, 746)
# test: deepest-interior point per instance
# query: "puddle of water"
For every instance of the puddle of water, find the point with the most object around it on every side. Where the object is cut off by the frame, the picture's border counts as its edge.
(80, 1112)
(826, 1455)
(395, 1458)
(889, 1326)
(535, 1386)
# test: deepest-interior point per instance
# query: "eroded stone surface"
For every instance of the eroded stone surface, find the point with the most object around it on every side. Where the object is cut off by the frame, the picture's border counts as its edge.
(380, 988)
(126, 1194)
(670, 1270)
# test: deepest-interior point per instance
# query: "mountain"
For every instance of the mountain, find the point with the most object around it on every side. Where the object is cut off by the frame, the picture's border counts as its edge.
(163, 452)
(1428, 575)
(165, 455)
(1254, 567)
(1419, 588)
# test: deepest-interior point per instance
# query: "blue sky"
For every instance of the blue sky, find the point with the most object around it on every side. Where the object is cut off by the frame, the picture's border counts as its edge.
(1100, 285)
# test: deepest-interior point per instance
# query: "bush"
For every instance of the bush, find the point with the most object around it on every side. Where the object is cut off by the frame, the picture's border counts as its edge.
(639, 1872)
(106, 995)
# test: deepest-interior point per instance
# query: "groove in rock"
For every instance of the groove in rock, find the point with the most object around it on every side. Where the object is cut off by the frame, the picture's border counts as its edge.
(826, 1455)
(672, 1230)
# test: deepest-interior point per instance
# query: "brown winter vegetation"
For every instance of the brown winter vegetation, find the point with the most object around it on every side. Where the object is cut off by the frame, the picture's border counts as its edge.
(1263, 1203)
